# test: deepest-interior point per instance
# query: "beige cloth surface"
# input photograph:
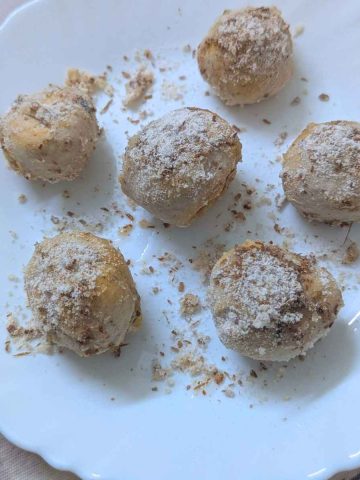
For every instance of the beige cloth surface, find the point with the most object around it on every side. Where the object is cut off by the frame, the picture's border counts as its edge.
(16, 464)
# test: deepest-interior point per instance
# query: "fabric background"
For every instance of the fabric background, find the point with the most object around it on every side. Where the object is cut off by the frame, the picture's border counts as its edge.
(16, 464)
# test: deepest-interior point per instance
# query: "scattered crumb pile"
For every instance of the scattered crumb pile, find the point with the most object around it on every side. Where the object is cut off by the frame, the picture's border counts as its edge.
(138, 86)
(87, 82)
(190, 304)
(195, 365)
(23, 338)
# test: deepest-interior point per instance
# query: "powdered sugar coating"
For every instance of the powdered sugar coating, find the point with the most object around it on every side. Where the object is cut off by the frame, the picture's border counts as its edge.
(268, 289)
(178, 164)
(81, 292)
(269, 303)
(321, 174)
(247, 54)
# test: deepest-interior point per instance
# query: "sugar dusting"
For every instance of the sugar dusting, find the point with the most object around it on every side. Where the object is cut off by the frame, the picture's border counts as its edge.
(62, 278)
(175, 149)
(267, 288)
(257, 37)
(333, 150)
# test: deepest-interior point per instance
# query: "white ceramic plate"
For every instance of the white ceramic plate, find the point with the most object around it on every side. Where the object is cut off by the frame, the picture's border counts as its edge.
(304, 423)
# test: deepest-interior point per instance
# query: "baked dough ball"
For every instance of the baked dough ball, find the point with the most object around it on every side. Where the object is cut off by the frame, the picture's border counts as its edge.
(49, 135)
(321, 172)
(81, 293)
(179, 164)
(269, 303)
(247, 55)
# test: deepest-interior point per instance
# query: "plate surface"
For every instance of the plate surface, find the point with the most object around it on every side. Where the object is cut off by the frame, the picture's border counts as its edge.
(99, 417)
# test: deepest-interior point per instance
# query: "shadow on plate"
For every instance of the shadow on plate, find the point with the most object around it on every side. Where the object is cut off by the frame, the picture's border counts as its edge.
(322, 369)
(92, 190)
(126, 378)
(276, 109)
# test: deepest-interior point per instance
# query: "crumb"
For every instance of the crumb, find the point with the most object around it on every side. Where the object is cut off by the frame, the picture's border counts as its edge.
(170, 382)
(277, 228)
(15, 330)
(158, 373)
(106, 107)
(148, 54)
(253, 373)
(13, 235)
(266, 121)
(228, 393)
(187, 48)
(66, 194)
(145, 224)
(324, 97)
(239, 216)
(219, 378)
(144, 114)
(22, 198)
(7, 346)
(280, 201)
(238, 129)
(181, 287)
(295, 101)
(352, 253)
(155, 290)
(138, 86)
(299, 30)
(190, 362)
(190, 304)
(87, 82)
(281, 139)
(125, 230)
(171, 91)
(237, 197)
(134, 121)
(203, 341)
(13, 278)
